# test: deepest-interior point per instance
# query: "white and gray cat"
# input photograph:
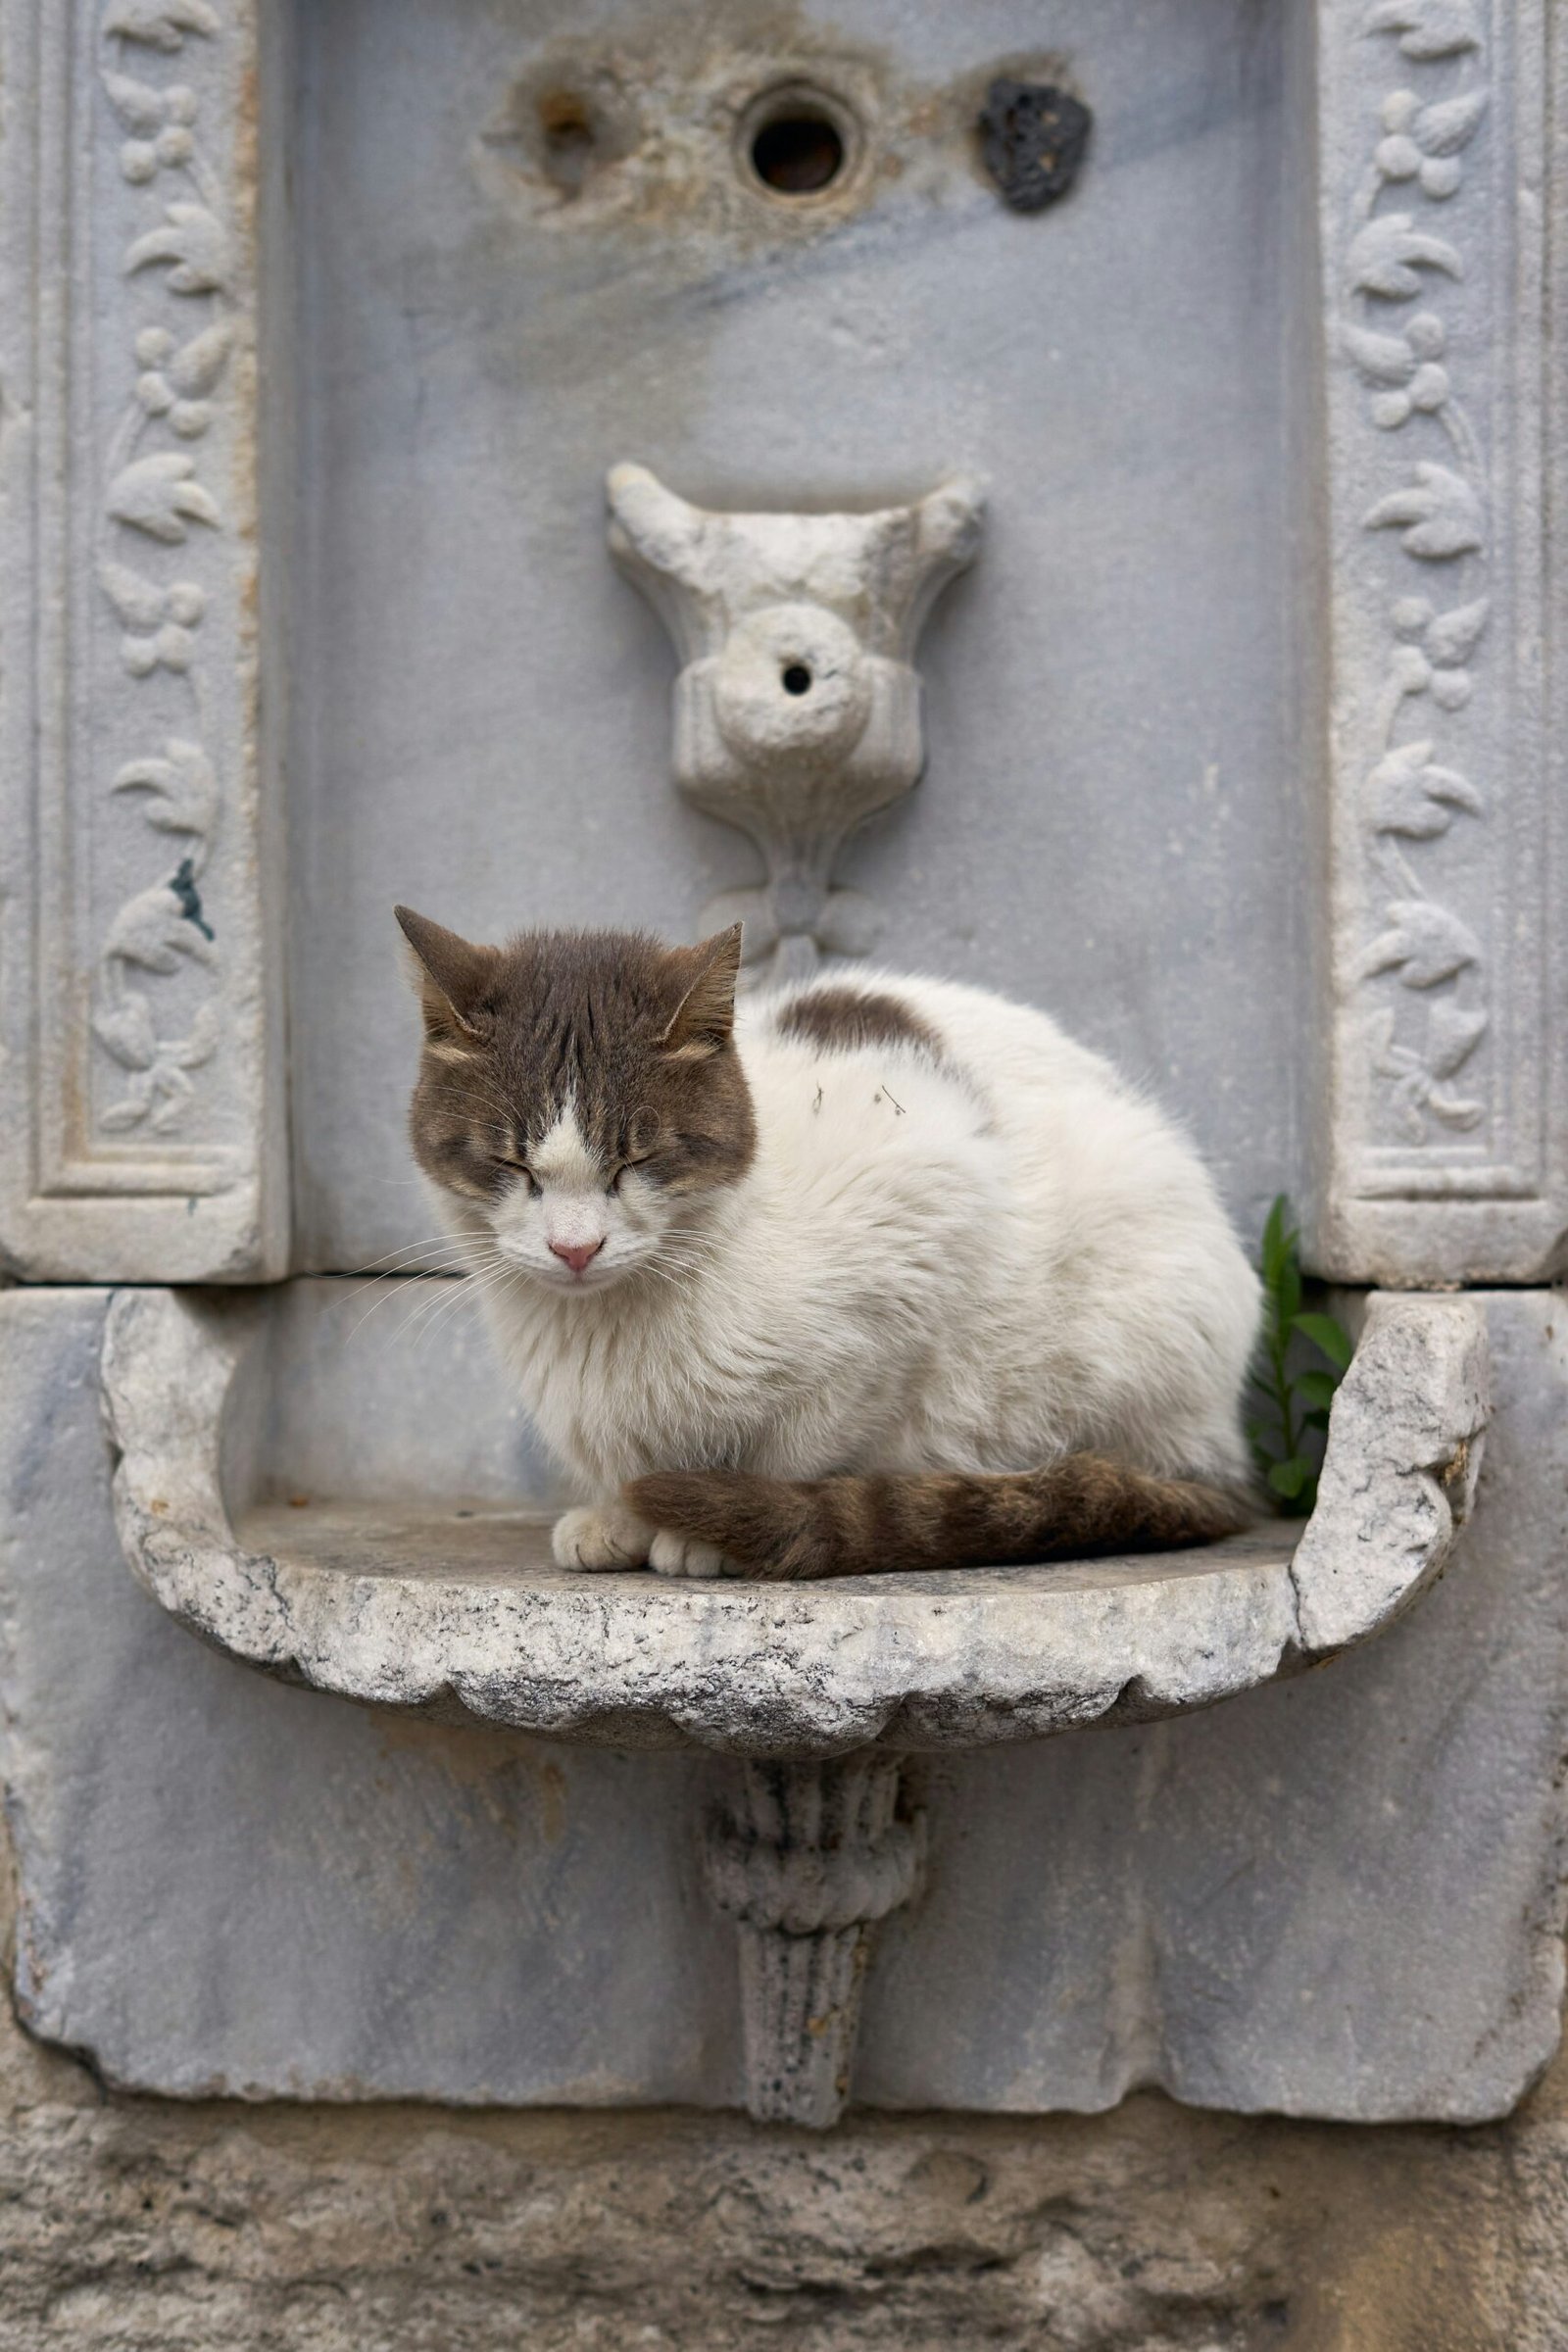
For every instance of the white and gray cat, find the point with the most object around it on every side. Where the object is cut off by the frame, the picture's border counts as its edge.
(871, 1274)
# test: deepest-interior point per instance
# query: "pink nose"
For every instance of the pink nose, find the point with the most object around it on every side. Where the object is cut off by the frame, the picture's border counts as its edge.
(578, 1256)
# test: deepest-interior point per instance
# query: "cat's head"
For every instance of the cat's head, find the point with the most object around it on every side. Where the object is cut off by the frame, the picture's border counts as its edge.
(581, 1092)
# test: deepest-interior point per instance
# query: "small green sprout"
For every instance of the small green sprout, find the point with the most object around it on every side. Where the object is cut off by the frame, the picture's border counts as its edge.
(1287, 1439)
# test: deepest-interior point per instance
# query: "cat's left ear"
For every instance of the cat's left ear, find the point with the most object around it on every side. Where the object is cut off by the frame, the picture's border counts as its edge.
(705, 1014)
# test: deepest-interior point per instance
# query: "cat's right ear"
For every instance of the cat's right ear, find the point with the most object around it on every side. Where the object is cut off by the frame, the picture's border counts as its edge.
(705, 1014)
(454, 976)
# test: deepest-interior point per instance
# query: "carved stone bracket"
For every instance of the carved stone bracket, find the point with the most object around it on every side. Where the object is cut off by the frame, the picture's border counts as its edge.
(798, 708)
(811, 1857)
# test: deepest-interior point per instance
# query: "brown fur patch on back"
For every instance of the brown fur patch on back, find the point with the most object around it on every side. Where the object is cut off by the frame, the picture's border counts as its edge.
(636, 1036)
(798, 1528)
(840, 1019)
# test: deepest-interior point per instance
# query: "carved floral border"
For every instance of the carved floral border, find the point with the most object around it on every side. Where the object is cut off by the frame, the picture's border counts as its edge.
(154, 498)
(1402, 251)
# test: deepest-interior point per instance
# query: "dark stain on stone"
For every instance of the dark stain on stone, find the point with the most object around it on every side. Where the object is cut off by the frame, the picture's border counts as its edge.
(1034, 136)
(185, 891)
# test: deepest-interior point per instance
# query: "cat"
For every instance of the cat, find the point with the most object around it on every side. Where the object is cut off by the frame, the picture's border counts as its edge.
(871, 1273)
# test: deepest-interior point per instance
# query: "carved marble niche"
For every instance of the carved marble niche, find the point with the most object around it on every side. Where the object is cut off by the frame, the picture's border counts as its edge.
(1242, 735)
(1287, 844)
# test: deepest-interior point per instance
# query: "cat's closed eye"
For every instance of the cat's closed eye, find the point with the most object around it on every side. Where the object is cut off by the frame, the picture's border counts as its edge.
(518, 1167)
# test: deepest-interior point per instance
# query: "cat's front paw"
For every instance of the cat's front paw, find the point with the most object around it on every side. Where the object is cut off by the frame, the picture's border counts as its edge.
(601, 1535)
(683, 1555)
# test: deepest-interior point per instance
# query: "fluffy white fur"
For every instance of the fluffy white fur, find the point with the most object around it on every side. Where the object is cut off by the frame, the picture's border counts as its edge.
(981, 1264)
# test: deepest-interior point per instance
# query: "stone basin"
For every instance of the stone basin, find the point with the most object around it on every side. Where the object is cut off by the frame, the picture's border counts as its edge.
(450, 1603)
(430, 1588)
(467, 1613)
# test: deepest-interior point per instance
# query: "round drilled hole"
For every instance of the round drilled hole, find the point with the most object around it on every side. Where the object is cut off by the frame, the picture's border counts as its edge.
(569, 138)
(798, 152)
(796, 678)
(798, 141)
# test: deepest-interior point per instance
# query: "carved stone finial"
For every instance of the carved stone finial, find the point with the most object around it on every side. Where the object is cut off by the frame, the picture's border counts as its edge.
(798, 711)
(811, 1859)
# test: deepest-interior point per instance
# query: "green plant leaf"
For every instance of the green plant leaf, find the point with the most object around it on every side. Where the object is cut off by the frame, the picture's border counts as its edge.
(1328, 1334)
(1288, 1293)
(1274, 1234)
(1288, 1478)
(1279, 1242)
(1291, 1412)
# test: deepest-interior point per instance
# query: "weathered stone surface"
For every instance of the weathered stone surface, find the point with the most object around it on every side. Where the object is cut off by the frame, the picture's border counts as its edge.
(1443, 1131)
(142, 1122)
(131, 2223)
(1399, 1476)
(227, 1881)
(465, 1610)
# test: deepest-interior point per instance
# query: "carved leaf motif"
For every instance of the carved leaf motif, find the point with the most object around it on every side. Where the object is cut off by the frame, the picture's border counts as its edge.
(138, 602)
(1412, 1080)
(1428, 27)
(1454, 1032)
(175, 1093)
(1450, 125)
(189, 1052)
(1407, 794)
(1424, 943)
(160, 496)
(132, 1108)
(158, 1090)
(1453, 635)
(197, 364)
(1454, 1109)
(1452, 1035)
(162, 23)
(1438, 515)
(126, 1029)
(182, 785)
(1382, 359)
(193, 242)
(138, 105)
(1388, 253)
(153, 930)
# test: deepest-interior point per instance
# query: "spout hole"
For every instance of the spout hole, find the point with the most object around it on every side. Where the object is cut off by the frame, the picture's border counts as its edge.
(798, 154)
(797, 679)
(568, 129)
(801, 142)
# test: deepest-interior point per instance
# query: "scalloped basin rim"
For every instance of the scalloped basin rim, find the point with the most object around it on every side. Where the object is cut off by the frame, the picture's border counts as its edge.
(457, 1611)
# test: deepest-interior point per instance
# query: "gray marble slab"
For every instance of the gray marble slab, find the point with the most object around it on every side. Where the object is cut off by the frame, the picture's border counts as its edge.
(482, 720)
(1336, 1896)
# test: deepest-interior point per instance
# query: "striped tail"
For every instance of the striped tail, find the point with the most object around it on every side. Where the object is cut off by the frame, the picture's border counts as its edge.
(774, 1527)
